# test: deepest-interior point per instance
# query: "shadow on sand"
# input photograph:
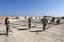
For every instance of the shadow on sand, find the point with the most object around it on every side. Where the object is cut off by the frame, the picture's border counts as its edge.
(37, 31)
(22, 29)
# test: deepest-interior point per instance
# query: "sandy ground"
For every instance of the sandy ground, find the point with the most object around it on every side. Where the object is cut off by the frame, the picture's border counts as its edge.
(55, 33)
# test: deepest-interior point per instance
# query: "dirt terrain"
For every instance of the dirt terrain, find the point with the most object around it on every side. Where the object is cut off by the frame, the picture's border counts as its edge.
(53, 33)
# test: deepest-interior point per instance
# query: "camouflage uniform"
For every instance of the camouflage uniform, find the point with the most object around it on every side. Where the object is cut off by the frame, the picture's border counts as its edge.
(52, 21)
(29, 23)
(58, 21)
(7, 25)
(44, 21)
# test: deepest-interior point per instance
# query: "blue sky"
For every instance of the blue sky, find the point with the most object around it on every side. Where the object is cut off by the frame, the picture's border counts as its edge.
(31, 7)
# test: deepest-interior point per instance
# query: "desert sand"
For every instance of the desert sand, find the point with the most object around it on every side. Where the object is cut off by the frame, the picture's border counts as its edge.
(53, 33)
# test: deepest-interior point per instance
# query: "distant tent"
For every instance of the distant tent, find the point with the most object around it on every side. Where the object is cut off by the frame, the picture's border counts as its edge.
(30, 17)
(35, 17)
(25, 17)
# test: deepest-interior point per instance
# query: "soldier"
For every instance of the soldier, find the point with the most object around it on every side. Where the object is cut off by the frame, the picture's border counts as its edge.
(52, 21)
(29, 23)
(58, 21)
(7, 25)
(17, 17)
(44, 21)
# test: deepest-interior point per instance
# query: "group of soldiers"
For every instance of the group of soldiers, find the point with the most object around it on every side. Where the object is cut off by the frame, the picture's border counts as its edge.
(44, 21)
